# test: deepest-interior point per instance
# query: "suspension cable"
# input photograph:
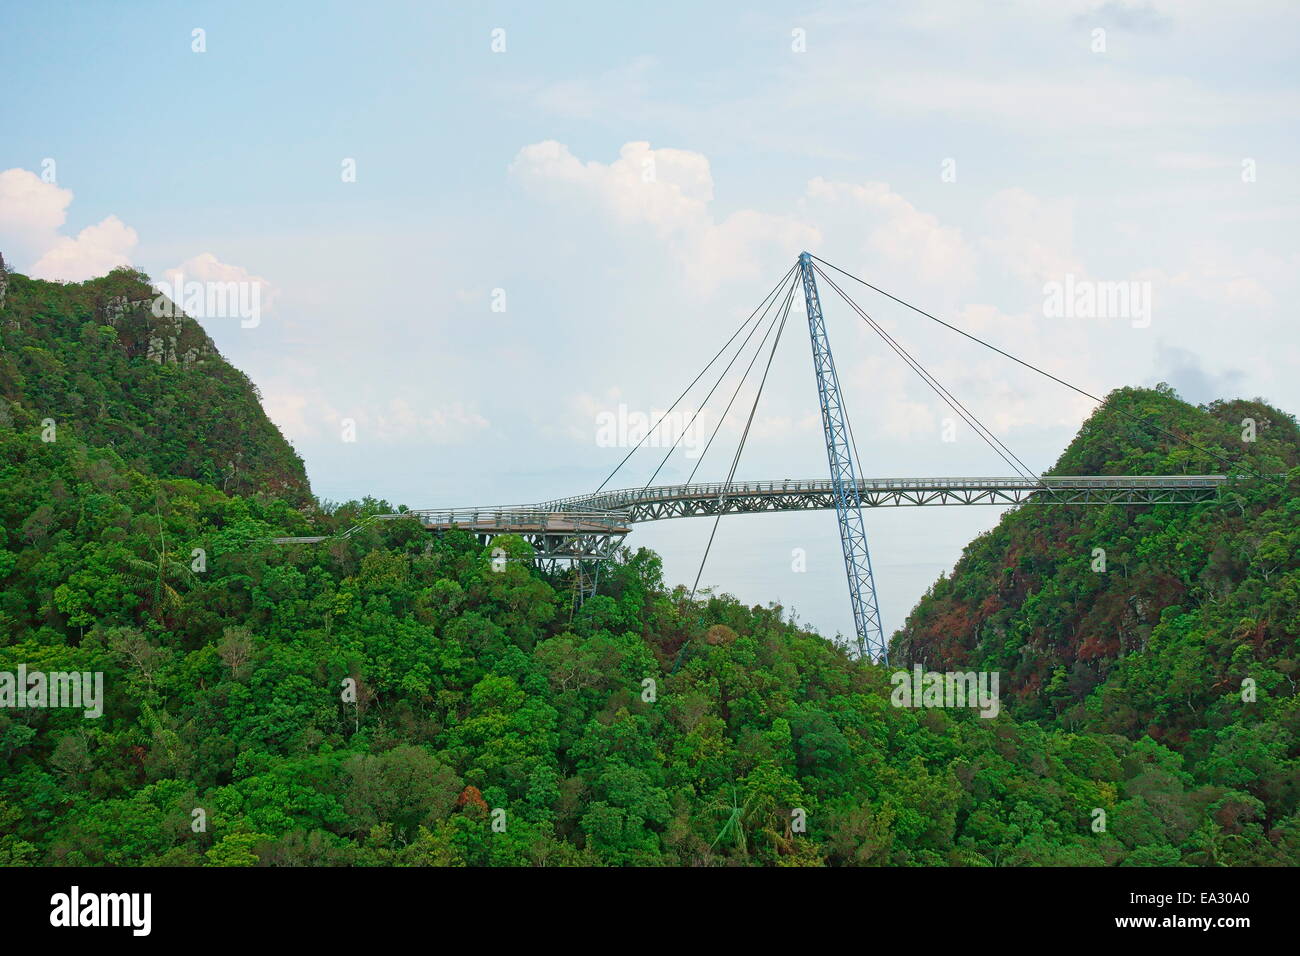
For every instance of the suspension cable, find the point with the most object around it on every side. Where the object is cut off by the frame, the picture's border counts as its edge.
(735, 461)
(774, 292)
(705, 401)
(1100, 401)
(740, 384)
(999, 447)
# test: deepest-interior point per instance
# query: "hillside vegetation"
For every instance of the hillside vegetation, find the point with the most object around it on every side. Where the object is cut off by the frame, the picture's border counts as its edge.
(94, 358)
(1187, 634)
(391, 698)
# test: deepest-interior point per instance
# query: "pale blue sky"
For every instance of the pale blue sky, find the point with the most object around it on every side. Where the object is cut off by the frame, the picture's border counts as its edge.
(479, 171)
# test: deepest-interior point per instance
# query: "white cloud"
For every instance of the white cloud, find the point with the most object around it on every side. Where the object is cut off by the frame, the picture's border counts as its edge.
(610, 91)
(95, 250)
(403, 420)
(1234, 280)
(899, 415)
(32, 212)
(1027, 68)
(667, 192)
(309, 414)
(206, 267)
(1086, 102)
(667, 189)
(898, 234)
(1195, 162)
(1032, 237)
(291, 412)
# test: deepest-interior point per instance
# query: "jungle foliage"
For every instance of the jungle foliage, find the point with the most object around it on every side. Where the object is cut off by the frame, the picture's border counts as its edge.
(497, 721)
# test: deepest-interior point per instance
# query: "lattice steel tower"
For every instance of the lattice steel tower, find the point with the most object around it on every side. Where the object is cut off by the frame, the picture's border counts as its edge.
(848, 507)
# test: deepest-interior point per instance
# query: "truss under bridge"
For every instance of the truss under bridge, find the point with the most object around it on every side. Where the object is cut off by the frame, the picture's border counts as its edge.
(577, 535)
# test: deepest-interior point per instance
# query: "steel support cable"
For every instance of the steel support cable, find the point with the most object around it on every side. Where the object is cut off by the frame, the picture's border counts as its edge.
(705, 401)
(735, 461)
(1014, 461)
(984, 432)
(775, 292)
(939, 389)
(1100, 401)
(741, 383)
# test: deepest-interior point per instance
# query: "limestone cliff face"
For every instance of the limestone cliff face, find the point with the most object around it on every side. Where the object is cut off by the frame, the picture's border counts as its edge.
(120, 366)
(171, 338)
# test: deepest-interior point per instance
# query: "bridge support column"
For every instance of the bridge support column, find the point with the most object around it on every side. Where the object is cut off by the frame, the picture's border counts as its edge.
(848, 506)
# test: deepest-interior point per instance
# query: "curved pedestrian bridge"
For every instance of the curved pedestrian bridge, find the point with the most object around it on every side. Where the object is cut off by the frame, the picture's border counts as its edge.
(591, 526)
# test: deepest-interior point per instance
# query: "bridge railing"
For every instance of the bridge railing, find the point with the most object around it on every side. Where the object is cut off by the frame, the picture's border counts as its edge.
(610, 513)
(537, 520)
(629, 496)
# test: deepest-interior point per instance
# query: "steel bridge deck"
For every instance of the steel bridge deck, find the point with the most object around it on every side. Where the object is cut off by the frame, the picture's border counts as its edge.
(684, 501)
(592, 526)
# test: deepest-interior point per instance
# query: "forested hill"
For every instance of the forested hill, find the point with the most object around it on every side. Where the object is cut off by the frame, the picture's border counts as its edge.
(93, 358)
(1151, 621)
(396, 698)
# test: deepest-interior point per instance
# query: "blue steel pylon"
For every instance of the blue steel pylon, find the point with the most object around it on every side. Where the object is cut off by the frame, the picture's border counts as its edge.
(848, 505)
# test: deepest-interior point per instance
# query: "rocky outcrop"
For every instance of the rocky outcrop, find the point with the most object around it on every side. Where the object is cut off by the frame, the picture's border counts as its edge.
(168, 339)
(120, 366)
